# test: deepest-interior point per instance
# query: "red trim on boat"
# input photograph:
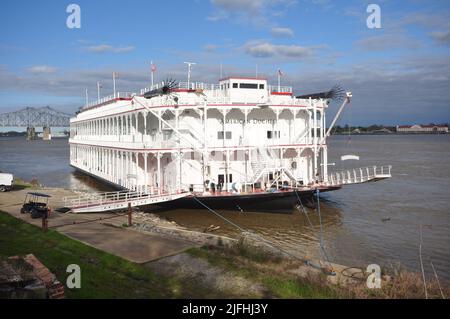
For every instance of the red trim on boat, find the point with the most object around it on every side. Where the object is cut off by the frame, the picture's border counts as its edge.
(280, 93)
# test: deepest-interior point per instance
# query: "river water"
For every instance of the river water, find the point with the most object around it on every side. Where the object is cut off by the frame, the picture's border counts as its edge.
(362, 224)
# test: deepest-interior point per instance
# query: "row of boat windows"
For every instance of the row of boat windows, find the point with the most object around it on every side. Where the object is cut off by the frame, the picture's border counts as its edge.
(228, 134)
(242, 86)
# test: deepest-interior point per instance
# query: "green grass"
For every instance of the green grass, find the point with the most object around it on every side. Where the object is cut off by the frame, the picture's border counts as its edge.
(298, 288)
(278, 285)
(102, 275)
(19, 184)
(107, 276)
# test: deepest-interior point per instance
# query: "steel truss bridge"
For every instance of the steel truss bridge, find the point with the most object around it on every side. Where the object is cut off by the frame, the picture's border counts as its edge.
(35, 117)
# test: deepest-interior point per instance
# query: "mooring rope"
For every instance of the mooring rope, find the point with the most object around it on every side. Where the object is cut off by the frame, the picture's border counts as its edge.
(270, 243)
(217, 214)
(303, 209)
(321, 246)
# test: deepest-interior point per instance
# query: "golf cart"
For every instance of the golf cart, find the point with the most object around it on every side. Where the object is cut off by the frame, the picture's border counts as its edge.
(36, 204)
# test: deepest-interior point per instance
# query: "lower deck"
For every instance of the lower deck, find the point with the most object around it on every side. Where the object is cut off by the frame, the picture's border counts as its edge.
(280, 199)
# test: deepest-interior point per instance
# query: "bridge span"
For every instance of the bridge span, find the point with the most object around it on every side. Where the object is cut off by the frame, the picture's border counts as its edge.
(30, 117)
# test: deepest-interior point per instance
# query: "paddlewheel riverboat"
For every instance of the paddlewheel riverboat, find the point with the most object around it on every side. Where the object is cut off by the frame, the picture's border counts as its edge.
(239, 144)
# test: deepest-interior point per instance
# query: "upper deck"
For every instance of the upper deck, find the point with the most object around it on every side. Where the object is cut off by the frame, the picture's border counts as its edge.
(233, 91)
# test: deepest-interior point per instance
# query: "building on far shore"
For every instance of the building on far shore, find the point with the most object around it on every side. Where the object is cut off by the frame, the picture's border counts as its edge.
(430, 128)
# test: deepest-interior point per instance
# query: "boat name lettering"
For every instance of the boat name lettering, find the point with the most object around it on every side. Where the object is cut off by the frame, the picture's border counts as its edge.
(249, 121)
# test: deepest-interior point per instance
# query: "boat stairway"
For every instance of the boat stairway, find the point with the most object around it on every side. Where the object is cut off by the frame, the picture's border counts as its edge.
(102, 202)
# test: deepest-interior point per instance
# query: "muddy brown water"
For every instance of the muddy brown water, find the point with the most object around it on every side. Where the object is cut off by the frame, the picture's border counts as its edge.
(362, 224)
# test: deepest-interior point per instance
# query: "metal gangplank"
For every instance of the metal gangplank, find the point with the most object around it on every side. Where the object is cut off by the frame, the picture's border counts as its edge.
(102, 202)
(359, 175)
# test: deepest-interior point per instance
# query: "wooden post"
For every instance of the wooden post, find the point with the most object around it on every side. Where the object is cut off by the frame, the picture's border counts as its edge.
(129, 215)
(44, 223)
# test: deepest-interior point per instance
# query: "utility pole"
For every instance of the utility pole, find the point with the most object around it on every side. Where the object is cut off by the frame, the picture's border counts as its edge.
(189, 64)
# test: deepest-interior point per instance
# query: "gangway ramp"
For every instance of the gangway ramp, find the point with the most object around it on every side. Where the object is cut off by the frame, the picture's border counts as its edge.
(359, 175)
(102, 202)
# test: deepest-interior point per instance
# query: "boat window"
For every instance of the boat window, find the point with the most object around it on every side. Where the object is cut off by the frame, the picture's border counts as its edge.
(167, 135)
(261, 86)
(235, 85)
(248, 85)
(220, 135)
(273, 134)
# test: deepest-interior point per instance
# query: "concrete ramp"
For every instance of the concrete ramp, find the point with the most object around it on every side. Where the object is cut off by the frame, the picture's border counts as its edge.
(131, 245)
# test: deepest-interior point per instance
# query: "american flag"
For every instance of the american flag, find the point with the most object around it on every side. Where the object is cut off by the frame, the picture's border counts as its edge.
(279, 72)
(153, 68)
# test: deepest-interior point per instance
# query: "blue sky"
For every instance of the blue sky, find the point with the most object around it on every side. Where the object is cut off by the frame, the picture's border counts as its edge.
(398, 74)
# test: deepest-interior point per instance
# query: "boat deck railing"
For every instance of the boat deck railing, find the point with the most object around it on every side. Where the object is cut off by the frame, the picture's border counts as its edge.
(98, 202)
(117, 95)
(359, 175)
(280, 89)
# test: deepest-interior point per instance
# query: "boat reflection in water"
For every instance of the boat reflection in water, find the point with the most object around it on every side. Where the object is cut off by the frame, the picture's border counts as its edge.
(292, 232)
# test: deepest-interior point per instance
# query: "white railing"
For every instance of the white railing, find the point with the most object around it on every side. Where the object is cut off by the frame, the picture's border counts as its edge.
(185, 86)
(154, 87)
(198, 86)
(108, 198)
(118, 95)
(281, 89)
(359, 175)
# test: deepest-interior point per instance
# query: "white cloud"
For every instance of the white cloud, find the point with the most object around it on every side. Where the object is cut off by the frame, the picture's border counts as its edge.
(242, 5)
(104, 48)
(37, 69)
(441, 37)
(325, 4)
(257, 12)
(417, 87)
(388, 41)
(266, 49)
(210, 47)
(282, 32)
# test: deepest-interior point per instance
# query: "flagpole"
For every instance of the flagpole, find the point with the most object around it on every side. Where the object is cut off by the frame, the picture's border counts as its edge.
(114, 83)
(151, 69)
(221, 71)
(98, 90)
(279, 76)
(87, 97)
(256, 70)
